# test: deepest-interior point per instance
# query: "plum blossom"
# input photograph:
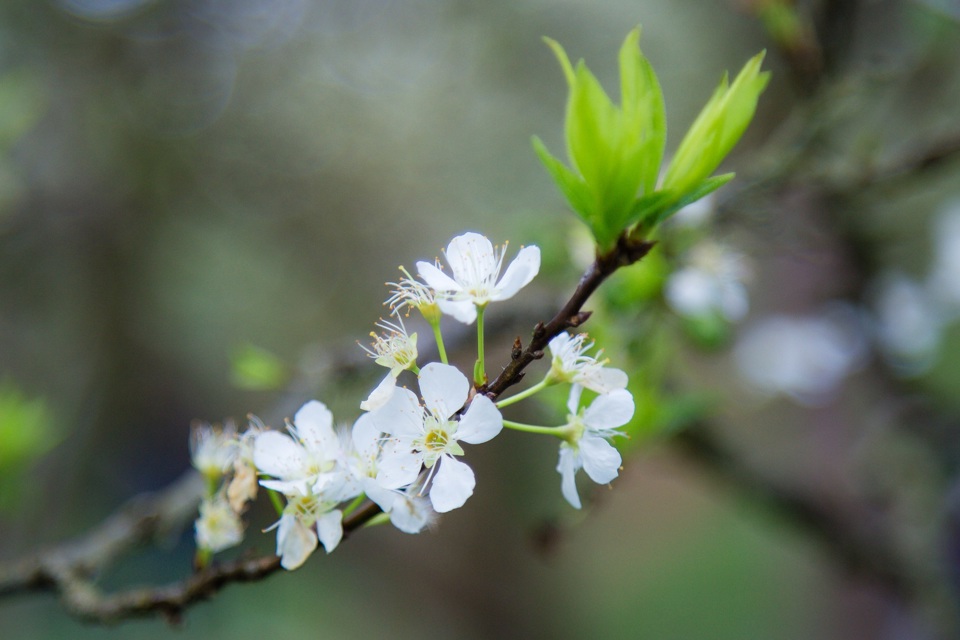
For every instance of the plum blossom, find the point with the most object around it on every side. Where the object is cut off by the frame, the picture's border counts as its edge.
(475, 264)
(408, 511)
(427, 436)
(308, 469)
(806, 358)
(396, 350)
(570, 364)
(243, 486)
(306, 460)
(306, 519)
(712, 283)
(212, 449)
(588, 446)
(218, 527)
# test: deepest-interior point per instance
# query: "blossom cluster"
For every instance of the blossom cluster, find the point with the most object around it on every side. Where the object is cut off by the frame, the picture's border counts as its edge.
(405, 452)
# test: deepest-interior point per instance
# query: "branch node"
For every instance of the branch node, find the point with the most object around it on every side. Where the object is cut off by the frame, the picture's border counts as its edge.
(578, 319)
(539, 331)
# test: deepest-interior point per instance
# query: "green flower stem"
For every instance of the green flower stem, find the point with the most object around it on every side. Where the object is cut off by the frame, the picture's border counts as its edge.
(558, 432)
(202, 558)
(439, 338)
(275, 499)
(212, 483)
(479, 372)
(537, 388)
(356, 503)
(415, 369)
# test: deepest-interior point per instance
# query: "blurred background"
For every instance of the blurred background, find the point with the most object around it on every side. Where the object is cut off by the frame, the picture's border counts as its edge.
(200, 201)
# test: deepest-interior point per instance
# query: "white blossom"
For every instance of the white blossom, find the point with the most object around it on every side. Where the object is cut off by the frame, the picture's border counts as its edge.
(243, 486)
(803, 357)
(589, 447)
(306, 518)
(944, 278)
(909, 323)
(212, 449)
(363, 444)
(396, 350)
(218, 527)
(475, 266)
(712, 282)
(570, 364)
(305, 461)
(427, 436)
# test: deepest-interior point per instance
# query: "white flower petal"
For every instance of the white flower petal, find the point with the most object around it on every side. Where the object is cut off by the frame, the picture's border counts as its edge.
(444, 389)
(277, 455)
(402, 416)
(314, 424)
(519, 274)
(601, 460)
(471, 257)
(289, 487)
(558, 344)
(481, 422)
(381, 395)
(567, 466)
(295, 542)
(610, 410)
(330, 529)
(365, 436)
(452, 485)
(462, 310)
(604, 380)
(398, 467)
(573, 400)
(410, 514)
(385, 498)
(435, 278)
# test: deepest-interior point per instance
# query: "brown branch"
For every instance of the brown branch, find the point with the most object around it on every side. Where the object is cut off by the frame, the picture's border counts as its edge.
(625, 253)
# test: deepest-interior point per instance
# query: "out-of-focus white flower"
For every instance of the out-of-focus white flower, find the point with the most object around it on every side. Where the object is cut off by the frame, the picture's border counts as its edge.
(711, 283)
(476, 264)
(589, 447)
(944, 279)
(805, 358)
(213, 450)
(395, 350)
(909, 323)
(244, 483)
(426, 436)
(570, 364)
(218, 527)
